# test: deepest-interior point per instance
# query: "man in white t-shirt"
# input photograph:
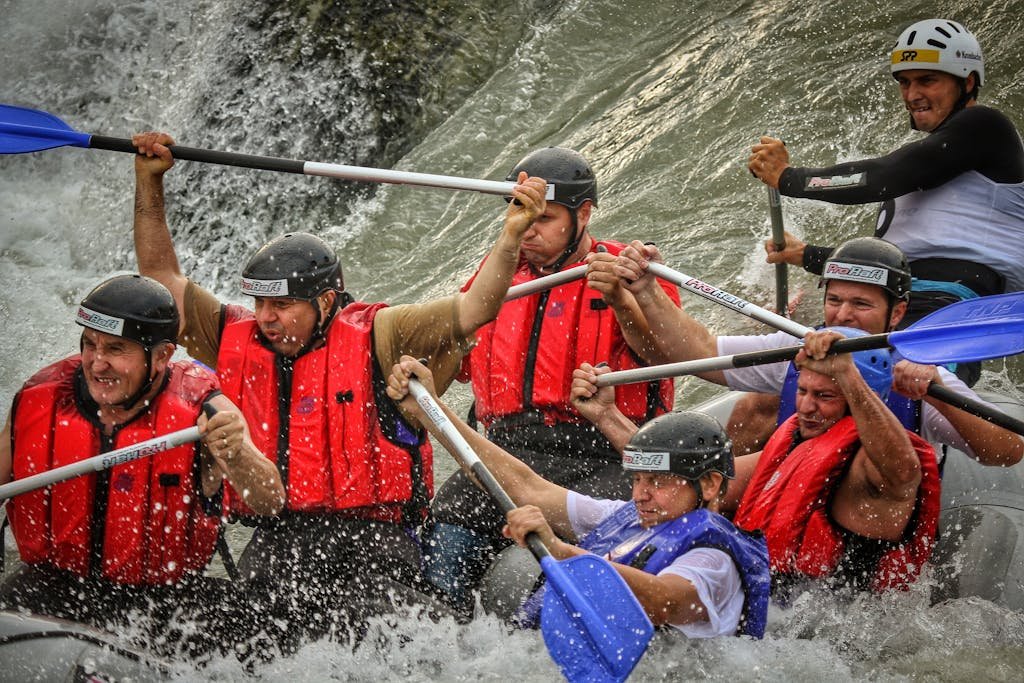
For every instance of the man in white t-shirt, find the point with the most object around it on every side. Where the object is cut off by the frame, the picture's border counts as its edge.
(688, 566)
(867, 283)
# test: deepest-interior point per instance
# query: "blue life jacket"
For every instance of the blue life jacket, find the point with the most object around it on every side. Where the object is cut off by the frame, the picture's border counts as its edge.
(658, 547)
(907, 411)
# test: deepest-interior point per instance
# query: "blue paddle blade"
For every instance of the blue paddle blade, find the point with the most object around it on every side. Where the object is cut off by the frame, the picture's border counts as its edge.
(30, 130)
(593, 625)
(967, 331)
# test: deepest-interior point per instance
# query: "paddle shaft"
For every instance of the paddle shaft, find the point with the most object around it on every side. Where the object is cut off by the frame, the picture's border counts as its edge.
(359, 173)
(737, 360)
(741, 360)
(779, 239)
(788, 353)
(718, 296)
(465, 454)
(546, 282)
(99, 462)
(712, 293)
(985, 412)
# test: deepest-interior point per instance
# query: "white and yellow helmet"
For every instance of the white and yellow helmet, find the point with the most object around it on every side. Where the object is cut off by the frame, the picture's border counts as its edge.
(938, 45)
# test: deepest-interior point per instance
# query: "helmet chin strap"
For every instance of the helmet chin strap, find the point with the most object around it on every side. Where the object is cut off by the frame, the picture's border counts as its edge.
(322, 321)
(701, 503)
(133, 400)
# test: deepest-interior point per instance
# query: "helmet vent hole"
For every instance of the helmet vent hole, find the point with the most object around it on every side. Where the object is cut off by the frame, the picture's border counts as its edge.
(943, 32)
(937, 43)
(953, 26)
(910, 40)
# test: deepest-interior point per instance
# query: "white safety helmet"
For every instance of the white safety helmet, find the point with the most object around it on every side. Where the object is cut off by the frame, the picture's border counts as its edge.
(938, 45)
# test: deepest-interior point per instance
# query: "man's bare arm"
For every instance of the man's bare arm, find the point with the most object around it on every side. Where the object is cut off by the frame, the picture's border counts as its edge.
(154, 248)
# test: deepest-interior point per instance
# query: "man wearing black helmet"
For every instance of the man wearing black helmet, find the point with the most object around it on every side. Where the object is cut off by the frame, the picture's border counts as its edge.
(687, 565)
(305, 369)
(866, 283)
(842, 491)
(136, 536)
(521, 371)
(953, 202)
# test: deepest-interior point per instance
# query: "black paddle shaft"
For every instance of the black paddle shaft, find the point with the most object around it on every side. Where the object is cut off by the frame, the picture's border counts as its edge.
(505, 503)
(849, 345)
(876, 341)
(985, 412)
(205, 155)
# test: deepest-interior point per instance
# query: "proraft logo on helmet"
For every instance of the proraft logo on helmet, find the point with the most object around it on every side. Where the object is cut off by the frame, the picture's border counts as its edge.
(101, 322)
(264, 287)
(645, 462)
(836, 270)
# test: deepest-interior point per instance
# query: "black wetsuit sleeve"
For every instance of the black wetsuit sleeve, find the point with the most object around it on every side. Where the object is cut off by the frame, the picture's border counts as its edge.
(976, 138)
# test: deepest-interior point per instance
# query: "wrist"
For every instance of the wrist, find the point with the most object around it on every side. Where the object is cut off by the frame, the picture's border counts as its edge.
(561, 550)
(612, 421)
(508, 243)
(149, 186)
(616, 298)
(646, 295)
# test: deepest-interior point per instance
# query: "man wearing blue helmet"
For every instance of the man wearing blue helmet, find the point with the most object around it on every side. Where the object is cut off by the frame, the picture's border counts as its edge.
(953, 201)
(842, 491)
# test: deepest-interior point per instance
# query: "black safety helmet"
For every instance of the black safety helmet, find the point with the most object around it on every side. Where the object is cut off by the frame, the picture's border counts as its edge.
(134, 307)
(871, 261)
(566, 169)
(297, 265)
(574, 184)
(687, 443)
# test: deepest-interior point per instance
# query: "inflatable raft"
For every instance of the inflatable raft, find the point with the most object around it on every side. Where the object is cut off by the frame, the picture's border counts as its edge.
(41, 649)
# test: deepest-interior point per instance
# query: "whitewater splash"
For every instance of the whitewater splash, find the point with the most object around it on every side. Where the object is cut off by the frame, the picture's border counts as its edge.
(892, 638)
(665, 101)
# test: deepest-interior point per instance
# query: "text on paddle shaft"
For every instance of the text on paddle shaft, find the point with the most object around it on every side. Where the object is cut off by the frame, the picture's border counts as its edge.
(715, 293)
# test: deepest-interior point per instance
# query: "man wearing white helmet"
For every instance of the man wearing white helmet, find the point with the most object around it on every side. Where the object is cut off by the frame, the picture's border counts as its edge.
(953, 202)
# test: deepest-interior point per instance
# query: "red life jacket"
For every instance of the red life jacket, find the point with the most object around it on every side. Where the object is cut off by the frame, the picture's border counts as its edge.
(154, 529)
(333, 447)
(787, 499)
(515, 368)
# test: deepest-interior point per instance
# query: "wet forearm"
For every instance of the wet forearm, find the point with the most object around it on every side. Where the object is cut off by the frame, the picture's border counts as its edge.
(482, 301)
(154, 248)
(678, 336)
(883, 437)
(990, 444)
(256, 479)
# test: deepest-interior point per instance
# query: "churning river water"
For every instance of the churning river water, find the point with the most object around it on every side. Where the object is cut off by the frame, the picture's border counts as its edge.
(664, 98)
